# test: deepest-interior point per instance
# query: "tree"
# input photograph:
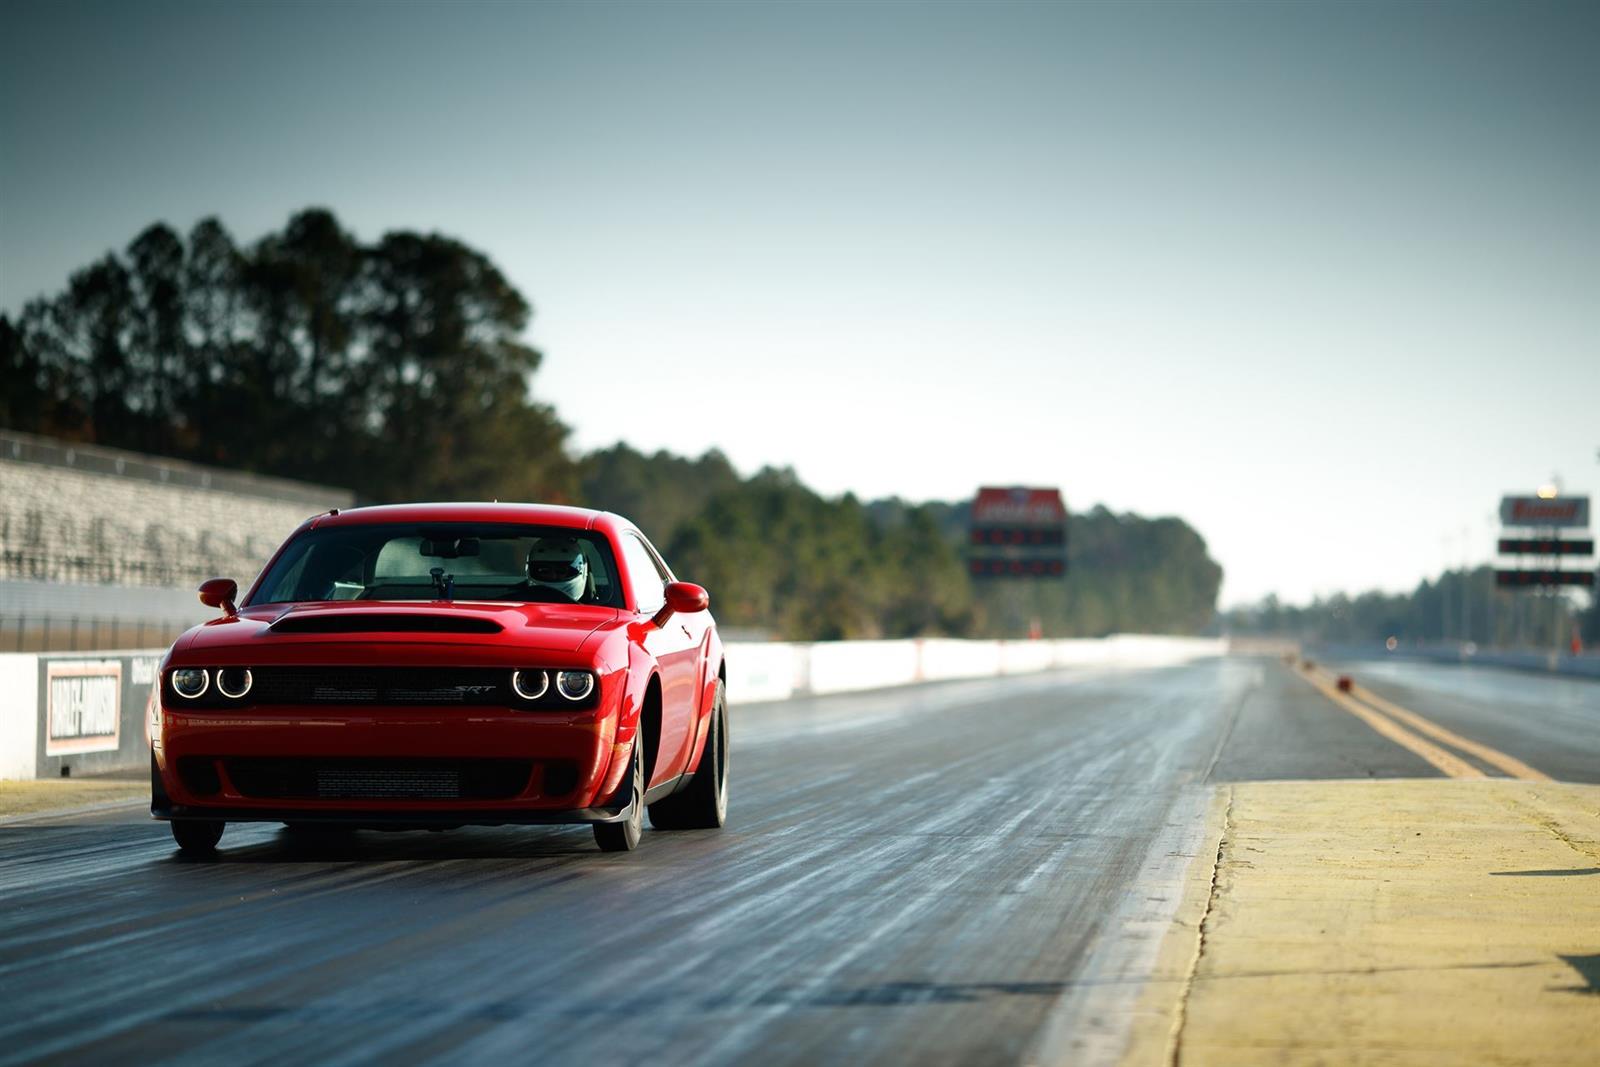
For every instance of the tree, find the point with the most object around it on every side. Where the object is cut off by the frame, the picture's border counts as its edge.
(660, 492)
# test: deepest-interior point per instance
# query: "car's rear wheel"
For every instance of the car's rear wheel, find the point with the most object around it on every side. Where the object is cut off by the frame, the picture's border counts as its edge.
(704, 804)
(197, 837)
(624, 836)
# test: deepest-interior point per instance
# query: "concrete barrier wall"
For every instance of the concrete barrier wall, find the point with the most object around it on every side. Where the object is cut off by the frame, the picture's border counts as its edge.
(85, 713)
(942, 659)
(19, 715)
(763, 671)
(842, 666)
(757, 672)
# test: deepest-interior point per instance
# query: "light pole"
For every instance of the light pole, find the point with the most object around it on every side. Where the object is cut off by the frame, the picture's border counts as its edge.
(1494, 593)
(1549, 491)
(1444, 589)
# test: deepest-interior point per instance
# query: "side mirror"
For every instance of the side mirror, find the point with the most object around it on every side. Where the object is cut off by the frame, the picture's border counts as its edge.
(220, 593)
(683, 598)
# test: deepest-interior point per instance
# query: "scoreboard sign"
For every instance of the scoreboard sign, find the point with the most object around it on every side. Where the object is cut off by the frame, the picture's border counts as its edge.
(1542, 578)
(1547, 514)
(1018, 532)
(1544, 546)
(1564, 511)
(980, 567)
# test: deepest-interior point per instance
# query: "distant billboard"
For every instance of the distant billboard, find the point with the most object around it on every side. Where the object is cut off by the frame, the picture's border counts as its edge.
(1541, 511)
(1018, 532)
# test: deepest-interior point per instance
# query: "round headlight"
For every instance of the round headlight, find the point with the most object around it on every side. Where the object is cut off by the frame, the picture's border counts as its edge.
(234, 682)
(530, 685)
(190, 682)
(575, 685)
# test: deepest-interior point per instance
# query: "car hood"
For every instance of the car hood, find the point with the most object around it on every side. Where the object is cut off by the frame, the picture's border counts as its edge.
(550, 627)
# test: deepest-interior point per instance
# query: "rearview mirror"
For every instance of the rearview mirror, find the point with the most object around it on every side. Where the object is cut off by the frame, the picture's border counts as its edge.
(220, 593)
(450, 547)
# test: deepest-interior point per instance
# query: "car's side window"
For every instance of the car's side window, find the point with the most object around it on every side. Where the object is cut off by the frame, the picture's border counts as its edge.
(649, 584)
(661, 564)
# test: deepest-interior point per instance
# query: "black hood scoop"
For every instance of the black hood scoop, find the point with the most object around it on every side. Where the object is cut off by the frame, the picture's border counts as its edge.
(377, 622)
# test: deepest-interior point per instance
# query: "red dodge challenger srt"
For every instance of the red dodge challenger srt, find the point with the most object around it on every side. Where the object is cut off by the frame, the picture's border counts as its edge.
(440, 665)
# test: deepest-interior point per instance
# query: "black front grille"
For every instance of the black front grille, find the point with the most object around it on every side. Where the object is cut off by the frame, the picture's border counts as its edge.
(379, 779)
(382, 685)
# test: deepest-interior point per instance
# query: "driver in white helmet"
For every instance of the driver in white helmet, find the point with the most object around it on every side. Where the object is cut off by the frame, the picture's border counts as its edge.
(558, 564)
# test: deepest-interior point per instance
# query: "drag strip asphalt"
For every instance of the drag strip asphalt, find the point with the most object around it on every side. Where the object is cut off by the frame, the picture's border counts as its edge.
(928, 874)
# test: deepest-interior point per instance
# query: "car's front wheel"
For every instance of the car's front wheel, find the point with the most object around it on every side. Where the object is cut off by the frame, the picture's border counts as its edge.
(624, 836)
(704, 804)
(197, 837)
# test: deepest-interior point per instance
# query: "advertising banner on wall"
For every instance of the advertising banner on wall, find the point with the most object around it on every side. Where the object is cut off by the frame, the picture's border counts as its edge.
(91, 712)
(83, 706)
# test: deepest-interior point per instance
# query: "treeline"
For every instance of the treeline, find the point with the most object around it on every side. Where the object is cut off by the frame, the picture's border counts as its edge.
(1457, 607)
(782, 557)
(397, 368)
(784, 560)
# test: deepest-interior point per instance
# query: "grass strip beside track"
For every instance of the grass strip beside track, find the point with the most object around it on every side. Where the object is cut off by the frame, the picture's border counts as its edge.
(64, 795)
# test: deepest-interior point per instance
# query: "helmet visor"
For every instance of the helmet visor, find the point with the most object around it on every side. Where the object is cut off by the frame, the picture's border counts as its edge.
(542, 570)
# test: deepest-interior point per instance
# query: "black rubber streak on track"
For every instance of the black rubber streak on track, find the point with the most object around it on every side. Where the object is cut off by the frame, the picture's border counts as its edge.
(911, 875)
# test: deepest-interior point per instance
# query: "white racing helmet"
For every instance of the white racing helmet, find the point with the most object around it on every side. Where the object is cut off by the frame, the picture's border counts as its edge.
(558, 563)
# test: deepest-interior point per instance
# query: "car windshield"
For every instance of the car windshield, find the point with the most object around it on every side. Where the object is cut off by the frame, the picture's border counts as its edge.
(444, 561)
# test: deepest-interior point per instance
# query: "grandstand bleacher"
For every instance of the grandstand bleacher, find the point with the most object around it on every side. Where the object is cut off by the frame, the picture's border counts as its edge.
(100, 548)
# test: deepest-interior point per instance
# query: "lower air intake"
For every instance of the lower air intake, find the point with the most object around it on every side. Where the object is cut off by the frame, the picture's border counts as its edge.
(379, 779)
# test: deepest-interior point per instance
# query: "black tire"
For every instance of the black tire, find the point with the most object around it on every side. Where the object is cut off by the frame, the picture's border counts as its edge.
(197, 837)
(704, 804)
(624, 836)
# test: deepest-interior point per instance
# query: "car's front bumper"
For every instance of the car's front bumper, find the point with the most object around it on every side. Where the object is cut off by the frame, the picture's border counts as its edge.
(305, 765)
(386, 818)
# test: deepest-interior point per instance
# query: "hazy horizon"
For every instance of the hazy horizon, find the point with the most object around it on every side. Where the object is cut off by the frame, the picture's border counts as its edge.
(1317, 279)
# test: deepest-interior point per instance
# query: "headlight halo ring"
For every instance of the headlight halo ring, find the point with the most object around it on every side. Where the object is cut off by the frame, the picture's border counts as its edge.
(561, 687)
(249, 680)
(516, 683)
(205, 682)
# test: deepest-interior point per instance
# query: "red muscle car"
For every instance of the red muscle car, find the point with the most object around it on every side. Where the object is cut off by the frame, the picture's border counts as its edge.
(439, 665)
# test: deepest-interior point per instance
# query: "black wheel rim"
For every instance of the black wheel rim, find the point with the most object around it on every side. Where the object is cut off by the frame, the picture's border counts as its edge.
(636, 820)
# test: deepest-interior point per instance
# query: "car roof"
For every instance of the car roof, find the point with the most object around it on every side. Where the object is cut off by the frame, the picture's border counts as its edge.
(530, 514)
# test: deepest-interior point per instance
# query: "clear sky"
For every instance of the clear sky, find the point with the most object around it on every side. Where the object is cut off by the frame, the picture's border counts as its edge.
(1323, 280)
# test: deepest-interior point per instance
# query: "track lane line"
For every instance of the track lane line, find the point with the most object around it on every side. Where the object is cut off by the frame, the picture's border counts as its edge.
(1493, 756)
(1512, 766)
(1446, 762)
